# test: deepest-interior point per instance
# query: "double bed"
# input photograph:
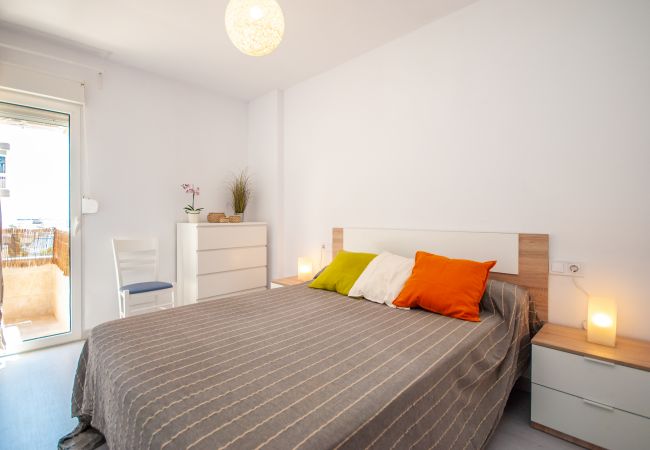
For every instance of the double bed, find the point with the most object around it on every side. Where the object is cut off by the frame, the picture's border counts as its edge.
(301, 368)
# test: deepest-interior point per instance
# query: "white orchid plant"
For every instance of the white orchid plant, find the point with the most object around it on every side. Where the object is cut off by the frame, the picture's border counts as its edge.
(190, 189)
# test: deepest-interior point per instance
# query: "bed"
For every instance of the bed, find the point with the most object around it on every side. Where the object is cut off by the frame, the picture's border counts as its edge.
(301, 368)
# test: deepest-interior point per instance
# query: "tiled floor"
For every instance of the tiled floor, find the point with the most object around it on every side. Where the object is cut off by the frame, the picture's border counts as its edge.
(35, 390)
(40, 326)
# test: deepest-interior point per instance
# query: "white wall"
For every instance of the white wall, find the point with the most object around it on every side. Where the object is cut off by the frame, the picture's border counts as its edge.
(265, 165)
(509, 115)
(145, 136)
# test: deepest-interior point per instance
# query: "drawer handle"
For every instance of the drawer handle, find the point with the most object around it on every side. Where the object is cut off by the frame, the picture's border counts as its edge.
(600, 361)
(598, 405)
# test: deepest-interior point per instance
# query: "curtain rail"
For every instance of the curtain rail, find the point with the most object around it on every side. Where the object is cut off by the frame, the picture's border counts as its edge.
(97, 70)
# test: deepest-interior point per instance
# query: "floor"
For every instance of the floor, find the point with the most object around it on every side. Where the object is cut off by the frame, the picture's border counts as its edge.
(35, 391)
(514, 431)
(33, 298)
(39, 326)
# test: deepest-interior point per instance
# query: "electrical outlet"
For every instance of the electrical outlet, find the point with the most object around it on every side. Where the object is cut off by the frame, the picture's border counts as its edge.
(575, 269)
(567, 268)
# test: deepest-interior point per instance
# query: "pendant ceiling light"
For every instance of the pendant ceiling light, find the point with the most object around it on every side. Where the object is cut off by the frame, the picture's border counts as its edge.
(255, 27)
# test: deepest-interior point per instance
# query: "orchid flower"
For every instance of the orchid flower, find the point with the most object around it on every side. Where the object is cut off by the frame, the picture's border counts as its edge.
(190, 189)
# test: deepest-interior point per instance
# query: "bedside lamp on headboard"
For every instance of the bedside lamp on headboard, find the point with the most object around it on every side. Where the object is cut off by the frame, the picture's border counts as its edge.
(601, 321)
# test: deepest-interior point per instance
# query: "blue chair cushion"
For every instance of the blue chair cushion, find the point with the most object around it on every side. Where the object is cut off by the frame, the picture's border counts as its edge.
(147, 286)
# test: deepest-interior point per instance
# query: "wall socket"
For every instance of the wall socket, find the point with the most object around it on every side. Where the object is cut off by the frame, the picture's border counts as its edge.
(567, 268)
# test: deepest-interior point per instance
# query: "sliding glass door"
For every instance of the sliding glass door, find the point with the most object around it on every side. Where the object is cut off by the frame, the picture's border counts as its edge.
(40, 201)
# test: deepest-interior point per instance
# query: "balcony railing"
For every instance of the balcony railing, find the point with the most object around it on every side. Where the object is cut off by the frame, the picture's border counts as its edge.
(25, 247)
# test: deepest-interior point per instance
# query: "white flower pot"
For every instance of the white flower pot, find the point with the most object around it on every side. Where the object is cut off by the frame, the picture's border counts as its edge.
(193, 217)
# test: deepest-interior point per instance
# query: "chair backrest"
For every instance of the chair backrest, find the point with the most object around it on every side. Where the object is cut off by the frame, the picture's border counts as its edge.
(136, 260)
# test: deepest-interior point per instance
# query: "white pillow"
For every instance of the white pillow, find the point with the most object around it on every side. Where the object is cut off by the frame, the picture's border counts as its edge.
(383, 279)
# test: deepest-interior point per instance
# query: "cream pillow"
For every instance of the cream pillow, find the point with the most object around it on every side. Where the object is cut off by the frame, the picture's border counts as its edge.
(383, 279)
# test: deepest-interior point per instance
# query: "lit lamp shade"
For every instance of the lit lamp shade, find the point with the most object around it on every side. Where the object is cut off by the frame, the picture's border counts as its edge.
(601, 325)
(305, 269)
(255, 27)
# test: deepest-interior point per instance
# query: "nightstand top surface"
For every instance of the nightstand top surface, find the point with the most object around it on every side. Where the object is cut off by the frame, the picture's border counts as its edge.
(628, 352)
(288, 281)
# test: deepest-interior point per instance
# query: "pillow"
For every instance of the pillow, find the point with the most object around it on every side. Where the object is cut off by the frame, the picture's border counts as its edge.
(451, 287)
(342, 273)
(383, 279)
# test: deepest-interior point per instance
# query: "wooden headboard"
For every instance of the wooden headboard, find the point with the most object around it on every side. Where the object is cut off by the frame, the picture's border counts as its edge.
(522, 258)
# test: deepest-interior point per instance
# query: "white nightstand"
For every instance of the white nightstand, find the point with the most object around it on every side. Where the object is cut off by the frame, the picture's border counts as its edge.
(284, 282)
(589, 394)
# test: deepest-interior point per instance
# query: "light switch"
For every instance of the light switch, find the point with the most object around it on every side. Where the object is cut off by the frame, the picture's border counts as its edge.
(557, 267)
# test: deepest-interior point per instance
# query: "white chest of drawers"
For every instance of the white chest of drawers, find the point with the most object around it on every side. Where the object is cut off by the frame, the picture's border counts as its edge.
(595, 396)
(219, 260)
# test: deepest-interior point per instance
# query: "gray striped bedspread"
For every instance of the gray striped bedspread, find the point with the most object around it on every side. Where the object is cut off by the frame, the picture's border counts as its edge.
(301, 368)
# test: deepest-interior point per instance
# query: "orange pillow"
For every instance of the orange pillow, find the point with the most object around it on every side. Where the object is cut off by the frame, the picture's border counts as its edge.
(451, 287)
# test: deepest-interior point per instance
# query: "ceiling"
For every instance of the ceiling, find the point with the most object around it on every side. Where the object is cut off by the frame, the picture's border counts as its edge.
(186, 39)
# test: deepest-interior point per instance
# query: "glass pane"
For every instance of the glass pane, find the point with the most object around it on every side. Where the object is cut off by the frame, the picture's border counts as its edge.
(35, 201)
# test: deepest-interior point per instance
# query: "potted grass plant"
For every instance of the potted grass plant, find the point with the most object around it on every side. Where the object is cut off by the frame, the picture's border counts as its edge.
(240, 191)
(193, 213)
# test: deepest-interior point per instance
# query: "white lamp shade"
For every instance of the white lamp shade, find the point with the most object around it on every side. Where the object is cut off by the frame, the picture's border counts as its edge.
(305, 269)
(601, 321)
(255, 27)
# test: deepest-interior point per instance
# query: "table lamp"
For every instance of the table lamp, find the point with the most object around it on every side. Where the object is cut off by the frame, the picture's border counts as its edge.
(601, 321)
(305, 269)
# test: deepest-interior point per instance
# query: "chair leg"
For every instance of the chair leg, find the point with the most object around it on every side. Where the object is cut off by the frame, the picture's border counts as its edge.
(125, 303)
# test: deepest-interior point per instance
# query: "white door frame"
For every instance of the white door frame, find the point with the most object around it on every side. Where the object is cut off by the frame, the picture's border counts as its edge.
(74, 111)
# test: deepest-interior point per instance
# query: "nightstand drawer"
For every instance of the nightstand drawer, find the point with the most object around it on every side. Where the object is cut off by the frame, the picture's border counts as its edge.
(621, 387)
(589, 421)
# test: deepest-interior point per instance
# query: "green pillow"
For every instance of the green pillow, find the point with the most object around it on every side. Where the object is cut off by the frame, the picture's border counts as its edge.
(341, 275)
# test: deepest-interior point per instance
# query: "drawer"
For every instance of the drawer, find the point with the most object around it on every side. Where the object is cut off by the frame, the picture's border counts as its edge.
(234, 294)
(607, 427)
(611, 384)
(216, 284)
(211, 261)
(210, 238)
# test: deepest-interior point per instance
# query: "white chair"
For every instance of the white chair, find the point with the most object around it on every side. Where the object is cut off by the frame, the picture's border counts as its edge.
(138, 287)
